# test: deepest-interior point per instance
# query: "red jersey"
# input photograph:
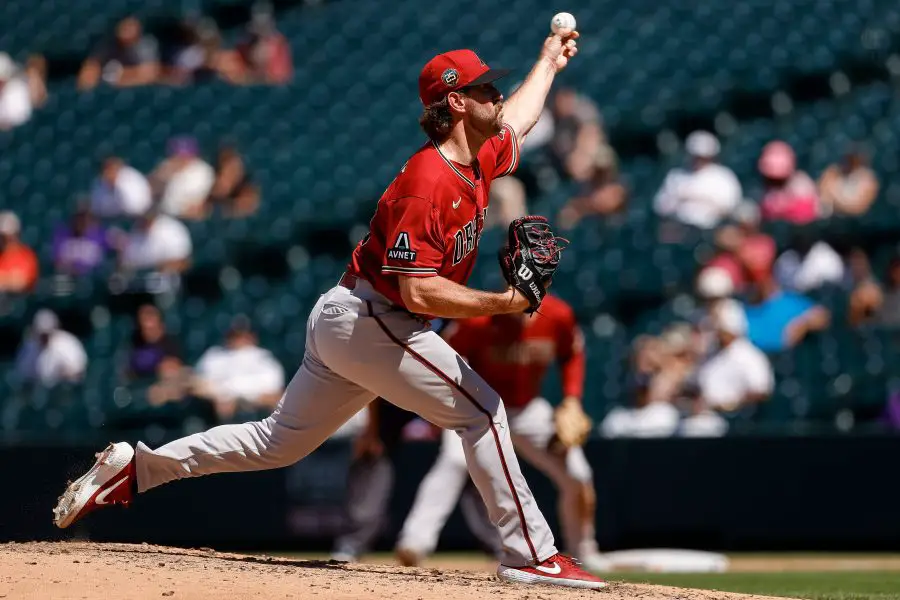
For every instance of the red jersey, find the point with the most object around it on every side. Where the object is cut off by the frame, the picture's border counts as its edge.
(429, 220)
(513, 353)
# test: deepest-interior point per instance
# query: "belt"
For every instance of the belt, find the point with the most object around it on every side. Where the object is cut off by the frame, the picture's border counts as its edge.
(348, 281)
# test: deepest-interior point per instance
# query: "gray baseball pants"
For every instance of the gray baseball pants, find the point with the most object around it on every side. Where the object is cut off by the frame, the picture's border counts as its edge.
(359, 347)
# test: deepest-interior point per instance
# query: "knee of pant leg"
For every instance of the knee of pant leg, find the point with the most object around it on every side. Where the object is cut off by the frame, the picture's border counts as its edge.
(282, 445)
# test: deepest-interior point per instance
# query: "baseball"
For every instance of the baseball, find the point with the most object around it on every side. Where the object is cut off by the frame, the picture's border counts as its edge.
(562, 20)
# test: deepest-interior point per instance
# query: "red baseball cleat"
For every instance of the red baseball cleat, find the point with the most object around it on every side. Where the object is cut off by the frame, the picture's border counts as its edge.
(557, 570)
(108, 482)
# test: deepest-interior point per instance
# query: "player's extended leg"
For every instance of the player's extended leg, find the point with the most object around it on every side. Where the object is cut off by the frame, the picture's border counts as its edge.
(532, 430)
(314, 405)
(415, 369)
(317, 401)
(437, 495)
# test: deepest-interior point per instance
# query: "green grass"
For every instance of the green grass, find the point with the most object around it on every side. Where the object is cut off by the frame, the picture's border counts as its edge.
(834, 585)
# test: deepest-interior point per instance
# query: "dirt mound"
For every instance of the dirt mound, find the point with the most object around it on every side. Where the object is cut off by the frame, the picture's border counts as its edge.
(88, 571)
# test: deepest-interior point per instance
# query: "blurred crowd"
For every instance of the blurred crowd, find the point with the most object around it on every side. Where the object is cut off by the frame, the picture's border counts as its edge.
(192, 52)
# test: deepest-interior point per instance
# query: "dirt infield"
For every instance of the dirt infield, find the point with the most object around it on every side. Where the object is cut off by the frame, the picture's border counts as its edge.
(88, 571)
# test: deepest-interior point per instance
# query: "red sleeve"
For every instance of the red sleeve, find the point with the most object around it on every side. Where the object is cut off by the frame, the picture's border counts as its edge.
(570, 353)
(462, 337)
(414, 244)
(499, 156)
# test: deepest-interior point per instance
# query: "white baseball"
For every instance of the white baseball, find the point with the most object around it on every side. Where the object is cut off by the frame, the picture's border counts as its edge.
(562, 20)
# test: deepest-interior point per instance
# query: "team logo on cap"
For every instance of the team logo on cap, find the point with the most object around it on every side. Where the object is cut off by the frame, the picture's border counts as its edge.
(450, 77)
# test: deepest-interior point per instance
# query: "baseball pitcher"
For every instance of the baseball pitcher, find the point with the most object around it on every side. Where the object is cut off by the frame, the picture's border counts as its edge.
(369, 335)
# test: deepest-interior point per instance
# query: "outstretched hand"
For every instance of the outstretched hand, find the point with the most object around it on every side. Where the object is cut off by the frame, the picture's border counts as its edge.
(560, 47)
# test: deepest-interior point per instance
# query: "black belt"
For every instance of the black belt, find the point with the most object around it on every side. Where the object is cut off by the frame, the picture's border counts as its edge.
(349, 281)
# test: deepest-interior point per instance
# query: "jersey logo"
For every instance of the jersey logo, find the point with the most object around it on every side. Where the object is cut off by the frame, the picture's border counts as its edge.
(401, 249)
(502, 134)
(456, 204)
(464, 242)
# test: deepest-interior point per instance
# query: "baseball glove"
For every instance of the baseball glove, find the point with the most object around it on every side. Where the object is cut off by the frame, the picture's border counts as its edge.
(572, 424)
(531, 257)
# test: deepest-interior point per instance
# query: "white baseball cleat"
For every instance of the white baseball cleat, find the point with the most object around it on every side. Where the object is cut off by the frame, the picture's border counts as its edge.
(557, 570)
(108, 482)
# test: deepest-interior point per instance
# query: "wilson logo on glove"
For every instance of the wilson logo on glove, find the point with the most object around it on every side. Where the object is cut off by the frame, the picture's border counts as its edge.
(532, 250)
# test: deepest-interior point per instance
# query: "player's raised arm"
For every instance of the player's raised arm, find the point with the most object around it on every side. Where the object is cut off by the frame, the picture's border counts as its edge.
(522, 110)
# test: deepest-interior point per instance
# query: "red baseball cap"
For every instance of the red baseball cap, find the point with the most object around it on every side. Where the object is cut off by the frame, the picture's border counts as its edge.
(452, 71)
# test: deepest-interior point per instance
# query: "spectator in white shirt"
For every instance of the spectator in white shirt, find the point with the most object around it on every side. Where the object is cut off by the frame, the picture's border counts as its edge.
(49, 355)
(738, 374)
(15, 95)
(240, 373)
(120, 191)
(706, 194)
(808, 265)
(157, 242)
(184, 180)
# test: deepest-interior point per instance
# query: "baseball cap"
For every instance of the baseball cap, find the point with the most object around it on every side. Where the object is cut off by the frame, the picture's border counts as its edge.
(702, 144)
(777, 160)
(45, 321)
(714, 282)
(452, 71)
(9, 223)
(729, 316)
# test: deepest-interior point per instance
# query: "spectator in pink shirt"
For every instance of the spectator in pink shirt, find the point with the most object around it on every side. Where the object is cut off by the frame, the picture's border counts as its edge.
(790, 193)
(743, 248)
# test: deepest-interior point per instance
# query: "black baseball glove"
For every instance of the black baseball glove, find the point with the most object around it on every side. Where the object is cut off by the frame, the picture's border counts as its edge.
(531, 257)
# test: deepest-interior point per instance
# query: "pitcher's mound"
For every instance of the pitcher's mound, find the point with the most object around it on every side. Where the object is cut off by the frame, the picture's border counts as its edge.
(89, 571)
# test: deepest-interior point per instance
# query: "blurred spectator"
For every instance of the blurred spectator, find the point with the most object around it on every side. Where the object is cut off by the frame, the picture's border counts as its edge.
(808, 265)
(790, 194)
(157, 242)
(577, 133)
(79, 246)
(15, 99)
(183, 180)
(49, 356)
(651, 415)
(850, 187)
(713, 285)
(240, 374)
(889, 312)
(706, 194)
(120, 191)
(196, 56)
(129, 59)
(866, 298)
(151, 346)
(736, 375)
(601, 195)
(264, 56)
(778, 320)
(743, 250)
(233, 190)
(18, 262)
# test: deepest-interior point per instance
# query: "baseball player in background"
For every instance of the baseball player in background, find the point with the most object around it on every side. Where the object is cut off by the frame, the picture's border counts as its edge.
(512, 353)
(369, 335)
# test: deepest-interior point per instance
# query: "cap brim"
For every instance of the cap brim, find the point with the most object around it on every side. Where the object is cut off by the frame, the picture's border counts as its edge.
(488, 76)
